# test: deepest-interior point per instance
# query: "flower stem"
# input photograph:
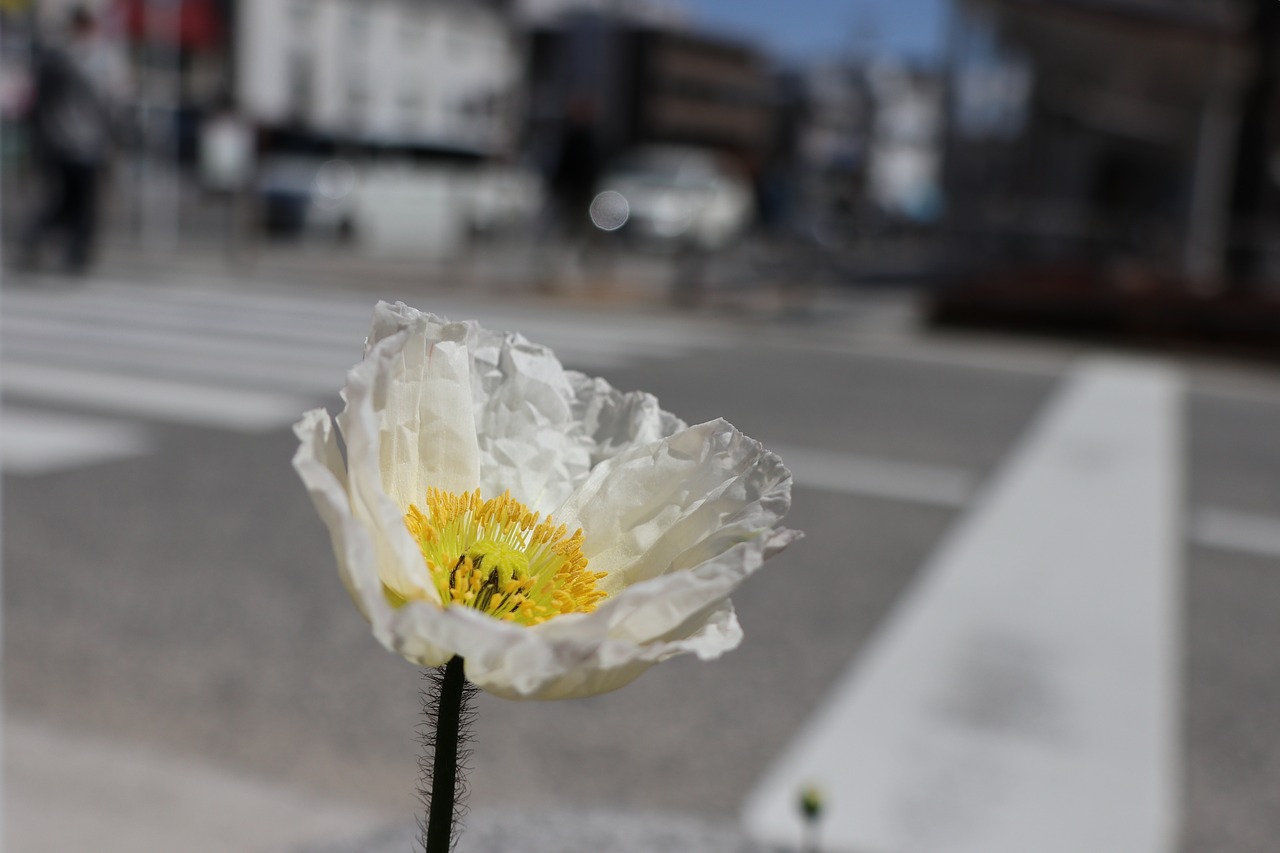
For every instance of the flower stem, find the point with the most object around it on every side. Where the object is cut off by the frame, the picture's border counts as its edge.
(448, 710)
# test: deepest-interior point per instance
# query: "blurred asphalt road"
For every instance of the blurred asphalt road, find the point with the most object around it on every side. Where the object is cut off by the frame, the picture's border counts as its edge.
(171, 604)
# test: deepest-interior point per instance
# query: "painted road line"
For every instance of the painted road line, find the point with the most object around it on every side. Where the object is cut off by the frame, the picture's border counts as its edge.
(120, 325)
(953, 487)
(268, 315)
(70, 791)
(1250, 533)
(535, 320)
(35, 442)
(163, 400)
(65, 326)
(198, 358)
(870, 476)
(315, 364)
(1023, 695)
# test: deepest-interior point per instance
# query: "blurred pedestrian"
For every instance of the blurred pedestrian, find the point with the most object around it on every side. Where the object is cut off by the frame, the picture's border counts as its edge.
(573, 179)
(73, 119)
(227, 164)
(572, 182)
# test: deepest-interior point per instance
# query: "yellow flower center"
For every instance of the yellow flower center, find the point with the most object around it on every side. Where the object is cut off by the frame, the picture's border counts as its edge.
(498, 557)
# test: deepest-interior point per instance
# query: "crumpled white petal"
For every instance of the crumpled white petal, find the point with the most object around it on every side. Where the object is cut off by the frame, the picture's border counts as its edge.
(539, 428)
(677, 516)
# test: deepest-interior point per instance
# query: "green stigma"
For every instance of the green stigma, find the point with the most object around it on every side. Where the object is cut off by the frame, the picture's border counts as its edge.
(501, 562)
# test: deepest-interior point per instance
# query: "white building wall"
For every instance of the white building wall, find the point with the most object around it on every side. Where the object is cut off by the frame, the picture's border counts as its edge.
(388, 71)
(260, 73)
(335, 43)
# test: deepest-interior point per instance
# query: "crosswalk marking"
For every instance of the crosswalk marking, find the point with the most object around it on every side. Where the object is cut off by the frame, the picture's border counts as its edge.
(204, 358)
(1230, 530)
(1023, 694)
(855, 474)
(235, 359)
(341, 317)
(175, 402)
(950, 487)
(35, 442)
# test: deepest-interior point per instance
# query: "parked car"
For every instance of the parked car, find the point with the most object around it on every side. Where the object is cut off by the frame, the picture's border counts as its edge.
(301, 193)
(673, 198)
(396, 206)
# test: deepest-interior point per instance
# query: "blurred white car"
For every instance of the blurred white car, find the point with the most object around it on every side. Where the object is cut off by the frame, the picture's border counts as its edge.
(673, 197)
(396, 207)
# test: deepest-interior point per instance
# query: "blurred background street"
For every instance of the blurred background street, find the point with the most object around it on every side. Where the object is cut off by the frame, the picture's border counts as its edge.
(170, 594)
(998, 280)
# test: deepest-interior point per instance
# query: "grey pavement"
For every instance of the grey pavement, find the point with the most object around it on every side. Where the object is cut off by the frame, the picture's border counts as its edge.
(565, 832)
(182, 602)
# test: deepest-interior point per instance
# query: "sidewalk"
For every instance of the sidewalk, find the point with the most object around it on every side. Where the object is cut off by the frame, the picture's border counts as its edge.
(68, 791)
(565, 832)
(71, 791)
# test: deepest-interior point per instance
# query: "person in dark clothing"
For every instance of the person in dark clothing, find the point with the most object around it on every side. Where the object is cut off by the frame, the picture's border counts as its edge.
(71, 121)
(574, 177)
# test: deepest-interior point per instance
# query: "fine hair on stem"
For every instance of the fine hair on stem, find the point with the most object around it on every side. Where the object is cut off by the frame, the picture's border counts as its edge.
(445, 733)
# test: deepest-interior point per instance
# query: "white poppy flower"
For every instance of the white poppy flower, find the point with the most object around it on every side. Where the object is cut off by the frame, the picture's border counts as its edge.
(558, 535)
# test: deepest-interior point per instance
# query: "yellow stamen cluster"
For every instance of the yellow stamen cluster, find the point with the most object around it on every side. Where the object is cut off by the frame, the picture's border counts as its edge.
(498, 557)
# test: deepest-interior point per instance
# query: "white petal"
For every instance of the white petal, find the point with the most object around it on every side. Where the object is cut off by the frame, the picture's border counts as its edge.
(530, 442)
(616, 421)
(675, 503)
(610, 665)
(539, 427)
(516, 663)
(319, 463)
(426, 424)
(407, 425)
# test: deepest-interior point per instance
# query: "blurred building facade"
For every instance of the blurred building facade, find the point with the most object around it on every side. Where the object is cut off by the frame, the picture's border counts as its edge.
(1118, 131)
(864, 147)
(649, 83)
(412, 74)
(905, 156)
(405, 73)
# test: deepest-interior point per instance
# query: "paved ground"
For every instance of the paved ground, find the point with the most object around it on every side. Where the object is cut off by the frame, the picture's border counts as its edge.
(170, 595)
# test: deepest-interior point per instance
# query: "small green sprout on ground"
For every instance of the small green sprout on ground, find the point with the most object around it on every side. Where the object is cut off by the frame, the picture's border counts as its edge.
(811, 803)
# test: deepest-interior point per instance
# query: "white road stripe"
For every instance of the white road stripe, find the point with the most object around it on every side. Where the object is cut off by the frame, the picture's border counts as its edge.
(870, 476)
(952, 487)
(256, 362)
(576, 343)
(1023, 695)
(345, 319)
(494, 311)
(1229, 530)
(34, 442)
(321, 376)
(241, 361)
(299, 366)
(177, 402)
(177, 334)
